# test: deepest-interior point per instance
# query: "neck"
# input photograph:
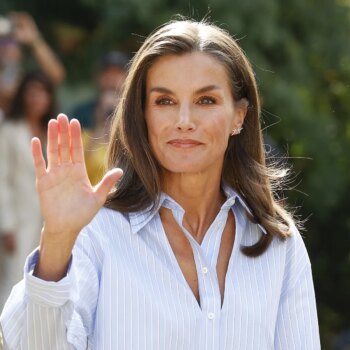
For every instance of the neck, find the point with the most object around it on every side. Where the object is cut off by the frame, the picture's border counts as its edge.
(199, 195)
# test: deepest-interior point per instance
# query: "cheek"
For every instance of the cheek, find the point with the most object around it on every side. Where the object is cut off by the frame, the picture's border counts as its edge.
(221, 142)
(219, 129)
(37, 100)
(157, 125)
(47, 102)
(159, 132)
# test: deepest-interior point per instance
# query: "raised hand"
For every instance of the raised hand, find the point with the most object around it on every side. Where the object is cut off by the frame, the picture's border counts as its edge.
(68, 201)
(25, 29)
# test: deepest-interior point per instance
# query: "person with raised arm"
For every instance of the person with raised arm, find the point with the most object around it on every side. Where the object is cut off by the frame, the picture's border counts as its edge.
(15, 62)
(186, 247)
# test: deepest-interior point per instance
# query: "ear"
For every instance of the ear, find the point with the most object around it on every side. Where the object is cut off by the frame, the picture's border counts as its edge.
(241, 109)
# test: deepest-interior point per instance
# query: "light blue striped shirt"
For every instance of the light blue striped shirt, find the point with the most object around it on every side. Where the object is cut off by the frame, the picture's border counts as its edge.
(125, 290)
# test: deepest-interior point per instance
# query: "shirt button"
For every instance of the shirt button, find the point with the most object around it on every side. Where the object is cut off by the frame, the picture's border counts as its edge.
(204, 270)
(210, 315)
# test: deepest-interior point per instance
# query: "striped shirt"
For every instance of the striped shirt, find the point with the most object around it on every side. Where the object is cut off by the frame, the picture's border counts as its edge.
(125, 290)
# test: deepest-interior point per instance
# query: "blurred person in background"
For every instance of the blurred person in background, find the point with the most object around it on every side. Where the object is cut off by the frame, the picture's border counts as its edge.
(20, 218)
(17, 31)
(95, 114)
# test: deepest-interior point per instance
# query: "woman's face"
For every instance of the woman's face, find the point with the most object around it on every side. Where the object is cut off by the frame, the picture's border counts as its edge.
(190, 112)
(36, 100)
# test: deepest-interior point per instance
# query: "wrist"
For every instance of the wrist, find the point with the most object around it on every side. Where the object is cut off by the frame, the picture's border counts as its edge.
(55, 252)
(53, 260)
(59, 236)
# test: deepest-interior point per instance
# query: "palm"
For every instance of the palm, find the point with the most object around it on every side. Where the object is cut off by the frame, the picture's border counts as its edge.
(67, 199)
(74, 199)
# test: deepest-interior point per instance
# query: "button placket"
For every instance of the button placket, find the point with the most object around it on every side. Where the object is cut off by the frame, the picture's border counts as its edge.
(214, 234)
(208, 286)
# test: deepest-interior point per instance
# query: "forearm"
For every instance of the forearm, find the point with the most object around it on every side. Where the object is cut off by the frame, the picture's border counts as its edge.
(47, 60)
(54, 256)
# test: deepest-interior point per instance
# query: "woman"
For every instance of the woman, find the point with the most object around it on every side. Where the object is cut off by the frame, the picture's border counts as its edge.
(191, 250)
(20, 218)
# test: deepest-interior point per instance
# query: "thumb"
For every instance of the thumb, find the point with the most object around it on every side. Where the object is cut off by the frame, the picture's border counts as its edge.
(105, 185)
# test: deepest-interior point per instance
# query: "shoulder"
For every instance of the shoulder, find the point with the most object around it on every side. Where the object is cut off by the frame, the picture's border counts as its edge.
(297, 260)
(105, 231)
(107, 220)
(12, 125)
(295, 248)
(106, 224)
(292, 249)
(13, 130)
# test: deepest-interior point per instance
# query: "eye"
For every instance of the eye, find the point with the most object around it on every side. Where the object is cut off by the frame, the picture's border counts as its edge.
(164, 101)
(206, 100)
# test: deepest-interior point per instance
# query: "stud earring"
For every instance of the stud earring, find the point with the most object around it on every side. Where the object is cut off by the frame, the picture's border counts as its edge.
(236, 131)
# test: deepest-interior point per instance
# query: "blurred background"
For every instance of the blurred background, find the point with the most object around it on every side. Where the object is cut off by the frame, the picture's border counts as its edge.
(300, 51)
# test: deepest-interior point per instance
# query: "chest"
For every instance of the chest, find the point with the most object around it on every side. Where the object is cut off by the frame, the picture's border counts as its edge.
(184, 254)
(147, 298)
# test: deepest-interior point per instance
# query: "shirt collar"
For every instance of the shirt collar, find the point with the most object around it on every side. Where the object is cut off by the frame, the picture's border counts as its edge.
(141, 218)
(232, 196)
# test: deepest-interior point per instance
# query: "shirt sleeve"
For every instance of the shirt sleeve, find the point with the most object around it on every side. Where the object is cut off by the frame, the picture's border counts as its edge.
(53, 315)
(297, 324)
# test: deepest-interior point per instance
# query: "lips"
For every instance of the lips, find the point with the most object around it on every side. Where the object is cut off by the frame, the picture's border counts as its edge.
(184, 143)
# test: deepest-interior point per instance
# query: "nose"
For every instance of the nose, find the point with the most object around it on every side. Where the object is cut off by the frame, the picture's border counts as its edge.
(185, 120)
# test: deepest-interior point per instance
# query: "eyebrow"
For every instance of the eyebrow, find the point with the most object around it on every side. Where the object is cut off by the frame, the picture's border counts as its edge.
(164, 90)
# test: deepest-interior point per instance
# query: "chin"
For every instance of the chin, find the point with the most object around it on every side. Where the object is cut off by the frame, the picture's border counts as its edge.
(184, 168)
(172, 163)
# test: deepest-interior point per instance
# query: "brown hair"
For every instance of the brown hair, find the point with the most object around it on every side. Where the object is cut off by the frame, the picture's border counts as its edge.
(244, 166)
(17, 110)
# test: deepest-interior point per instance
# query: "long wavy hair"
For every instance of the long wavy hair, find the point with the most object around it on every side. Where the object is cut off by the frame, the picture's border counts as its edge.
(244, 167)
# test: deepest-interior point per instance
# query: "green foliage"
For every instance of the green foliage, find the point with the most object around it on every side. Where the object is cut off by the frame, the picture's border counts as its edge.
(300, 51)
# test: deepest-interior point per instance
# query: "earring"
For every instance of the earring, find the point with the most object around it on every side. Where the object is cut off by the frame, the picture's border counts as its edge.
(236, 131)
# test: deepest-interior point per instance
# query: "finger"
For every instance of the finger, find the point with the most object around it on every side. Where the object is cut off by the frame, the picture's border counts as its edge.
(52, 144)
(38, 158)
(105, 185)
(63, 138)
(77, 149)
